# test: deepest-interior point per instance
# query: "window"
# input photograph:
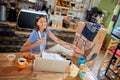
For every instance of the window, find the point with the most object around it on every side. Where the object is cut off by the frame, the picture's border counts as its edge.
(116, 27)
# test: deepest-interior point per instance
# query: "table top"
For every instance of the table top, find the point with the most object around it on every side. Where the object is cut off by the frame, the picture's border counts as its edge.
(10, 71)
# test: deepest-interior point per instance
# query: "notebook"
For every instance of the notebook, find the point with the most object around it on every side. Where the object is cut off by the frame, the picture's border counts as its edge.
(46, 64)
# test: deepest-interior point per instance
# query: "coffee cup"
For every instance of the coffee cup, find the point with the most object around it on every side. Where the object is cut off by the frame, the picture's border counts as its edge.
(11, 57)
(21, 61)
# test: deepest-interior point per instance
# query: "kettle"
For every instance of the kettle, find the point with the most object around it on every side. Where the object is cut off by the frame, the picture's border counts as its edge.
(2, 13)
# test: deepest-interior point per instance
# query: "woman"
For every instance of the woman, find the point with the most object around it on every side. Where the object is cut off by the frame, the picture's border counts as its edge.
(36, 42)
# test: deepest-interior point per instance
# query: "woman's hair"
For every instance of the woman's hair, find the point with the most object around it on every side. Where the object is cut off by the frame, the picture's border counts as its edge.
(36, 27)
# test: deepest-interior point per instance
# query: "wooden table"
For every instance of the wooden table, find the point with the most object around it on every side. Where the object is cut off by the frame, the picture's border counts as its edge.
(27, 73)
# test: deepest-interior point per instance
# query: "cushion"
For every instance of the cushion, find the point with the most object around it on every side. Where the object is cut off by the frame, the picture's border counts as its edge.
(113, 50)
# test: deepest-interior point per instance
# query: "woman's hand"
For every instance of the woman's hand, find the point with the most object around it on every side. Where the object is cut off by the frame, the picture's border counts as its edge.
(73, 46)
(28, 55)
(42, 40)
(78, 51)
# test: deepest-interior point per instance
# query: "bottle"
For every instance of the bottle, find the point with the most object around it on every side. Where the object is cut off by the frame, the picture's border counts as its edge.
(2, 13)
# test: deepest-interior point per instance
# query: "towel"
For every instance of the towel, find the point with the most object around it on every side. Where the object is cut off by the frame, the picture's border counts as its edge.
(90, 30)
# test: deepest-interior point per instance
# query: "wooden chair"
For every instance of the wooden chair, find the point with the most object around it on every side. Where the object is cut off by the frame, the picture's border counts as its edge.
(84, 44)
(118, 71)
(109, 52)
(115, 68)
(116, 65)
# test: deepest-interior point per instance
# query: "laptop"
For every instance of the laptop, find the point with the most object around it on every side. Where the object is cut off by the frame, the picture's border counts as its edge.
(45, 64)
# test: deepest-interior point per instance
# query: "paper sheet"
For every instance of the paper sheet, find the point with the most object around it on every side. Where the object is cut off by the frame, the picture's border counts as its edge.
(54, 56)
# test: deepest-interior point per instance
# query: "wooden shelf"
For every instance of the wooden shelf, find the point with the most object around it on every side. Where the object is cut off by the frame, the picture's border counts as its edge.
(64, 29)
(62, 7)
(75, 2)
(78, 7)
(13, 24)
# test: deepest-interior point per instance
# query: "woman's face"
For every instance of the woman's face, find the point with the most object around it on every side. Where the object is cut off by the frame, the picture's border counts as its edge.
(42, 23)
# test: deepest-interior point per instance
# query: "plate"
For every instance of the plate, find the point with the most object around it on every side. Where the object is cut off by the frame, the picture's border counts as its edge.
(22, 66)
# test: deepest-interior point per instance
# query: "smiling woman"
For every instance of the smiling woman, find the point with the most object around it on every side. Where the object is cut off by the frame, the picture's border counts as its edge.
(37, 41)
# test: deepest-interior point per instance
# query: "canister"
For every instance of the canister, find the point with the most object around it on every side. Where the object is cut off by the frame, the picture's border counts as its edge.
(2, 13)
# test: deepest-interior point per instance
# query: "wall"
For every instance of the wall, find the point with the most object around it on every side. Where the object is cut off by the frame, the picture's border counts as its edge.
(95, 3)
(110, 27)
(108, 6)
(115, 12)
(25, 5)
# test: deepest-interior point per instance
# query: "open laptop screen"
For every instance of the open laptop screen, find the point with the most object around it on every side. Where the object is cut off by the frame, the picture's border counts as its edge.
(51, 65)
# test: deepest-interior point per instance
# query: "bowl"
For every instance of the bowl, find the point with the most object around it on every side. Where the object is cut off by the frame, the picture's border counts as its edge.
(21, 66)
(11, 57)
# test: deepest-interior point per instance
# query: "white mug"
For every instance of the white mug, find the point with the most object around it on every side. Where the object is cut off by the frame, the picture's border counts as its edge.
(21, 61)
(11, 57)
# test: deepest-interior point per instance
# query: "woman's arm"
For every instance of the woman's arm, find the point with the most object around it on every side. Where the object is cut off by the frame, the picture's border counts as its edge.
(28, 45)
(59, 41)
(77, 52)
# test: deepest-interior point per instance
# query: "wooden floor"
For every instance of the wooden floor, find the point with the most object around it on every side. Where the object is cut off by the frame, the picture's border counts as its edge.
(99, 74)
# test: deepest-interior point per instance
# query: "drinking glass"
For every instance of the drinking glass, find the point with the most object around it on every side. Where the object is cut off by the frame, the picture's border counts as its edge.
(81, 60)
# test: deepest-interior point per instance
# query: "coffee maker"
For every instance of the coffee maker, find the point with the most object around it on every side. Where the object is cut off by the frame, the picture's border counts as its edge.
(12, 14)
